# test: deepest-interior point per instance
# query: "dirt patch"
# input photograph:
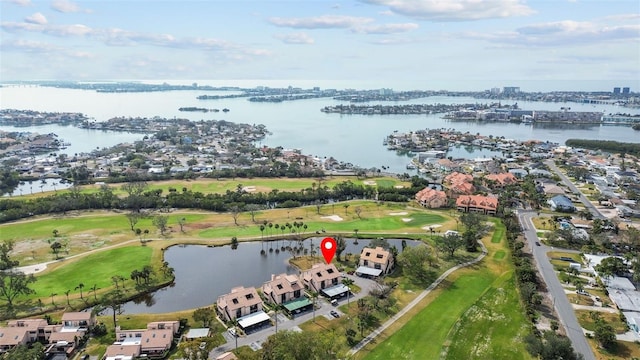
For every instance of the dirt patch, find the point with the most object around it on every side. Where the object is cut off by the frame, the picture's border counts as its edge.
(198, 226)
(429, 227)
(399, 213)
(369, 182)
(249, 189)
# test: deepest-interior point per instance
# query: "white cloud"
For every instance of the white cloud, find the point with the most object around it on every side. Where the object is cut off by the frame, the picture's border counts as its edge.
(385, 28)
(28, 46)
(564, 33)
(66, 6)
(321, 22)
(36, 18)
(20, 2)
(455, 10)
(295, 38)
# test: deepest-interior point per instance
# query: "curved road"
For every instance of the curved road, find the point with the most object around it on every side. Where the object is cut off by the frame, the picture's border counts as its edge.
(561, 302)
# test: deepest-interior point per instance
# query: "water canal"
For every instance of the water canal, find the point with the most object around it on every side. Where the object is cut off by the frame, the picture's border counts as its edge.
(204, 273)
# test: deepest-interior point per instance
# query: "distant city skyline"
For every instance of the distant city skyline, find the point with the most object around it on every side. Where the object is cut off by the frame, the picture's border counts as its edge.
(405, 44)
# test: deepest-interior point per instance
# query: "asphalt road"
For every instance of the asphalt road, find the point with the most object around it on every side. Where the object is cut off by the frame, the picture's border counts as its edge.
(586, 202)
(561, 302)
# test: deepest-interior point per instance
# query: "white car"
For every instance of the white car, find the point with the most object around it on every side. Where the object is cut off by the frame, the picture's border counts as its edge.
(233, 332)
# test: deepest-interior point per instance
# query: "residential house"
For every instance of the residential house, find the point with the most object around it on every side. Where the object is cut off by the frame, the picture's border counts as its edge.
(561, 203)
(82, 319)
(477, 203)
(431, 198)
(239, 302)
(283, 288)
(227, 356)
(377, 258)
(320, 276)
(121, 352)
(459, 184)
(154, 342)
(502, 179)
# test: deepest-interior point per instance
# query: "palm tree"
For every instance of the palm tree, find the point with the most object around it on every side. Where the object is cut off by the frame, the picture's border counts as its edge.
(67, 294)
(94, 288)
(346, 206)
(52, 303)
(80, 286)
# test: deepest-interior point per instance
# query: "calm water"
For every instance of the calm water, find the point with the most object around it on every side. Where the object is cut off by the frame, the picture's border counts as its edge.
(297, 124)
(204, 273)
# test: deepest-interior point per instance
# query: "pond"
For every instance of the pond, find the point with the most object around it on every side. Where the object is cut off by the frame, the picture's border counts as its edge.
(204, 273)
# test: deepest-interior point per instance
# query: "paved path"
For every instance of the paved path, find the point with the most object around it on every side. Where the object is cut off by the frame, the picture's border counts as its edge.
(415, 302)
(561, 303)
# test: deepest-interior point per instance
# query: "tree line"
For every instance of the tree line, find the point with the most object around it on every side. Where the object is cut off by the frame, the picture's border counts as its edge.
(606, 145)
(138, 197)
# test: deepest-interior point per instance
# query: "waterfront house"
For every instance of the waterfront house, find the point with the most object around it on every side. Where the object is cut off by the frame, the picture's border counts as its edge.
(282, 288)
(375, 259)
(320, 276)
(239, 302)
(431, 198)
(81, 320)
(459, 184)
(477, 203)
(154, 342)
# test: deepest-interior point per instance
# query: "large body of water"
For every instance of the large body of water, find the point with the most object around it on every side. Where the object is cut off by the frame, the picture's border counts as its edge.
(202, 274)
(295, 124)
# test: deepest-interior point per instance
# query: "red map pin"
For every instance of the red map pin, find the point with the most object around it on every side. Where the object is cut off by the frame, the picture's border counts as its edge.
(328, 247)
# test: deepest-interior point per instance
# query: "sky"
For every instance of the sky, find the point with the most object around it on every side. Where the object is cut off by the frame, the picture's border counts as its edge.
(420, 42)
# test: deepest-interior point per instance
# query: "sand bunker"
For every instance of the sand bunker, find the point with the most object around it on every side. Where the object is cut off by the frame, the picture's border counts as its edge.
(369, 182)
(399, 186)
(249, 188)
(406, 219)
(333, 217)
(399, 213)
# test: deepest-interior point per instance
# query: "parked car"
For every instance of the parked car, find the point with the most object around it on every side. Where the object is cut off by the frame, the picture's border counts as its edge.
(203, 345)
(334, 302)
(537, 243)
(233, 332)
(334, 314)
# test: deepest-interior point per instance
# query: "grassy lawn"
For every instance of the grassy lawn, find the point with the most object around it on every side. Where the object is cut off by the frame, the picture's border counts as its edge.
(94, 269)
(498, 232)
(85, 231)
(612, 319)
(580, 300)
(211, 186)
(558, 254)
(475, 313)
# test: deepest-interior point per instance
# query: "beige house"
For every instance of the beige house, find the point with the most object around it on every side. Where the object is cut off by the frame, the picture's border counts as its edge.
(431, 198)
(283, 288)
(153, 342)
(320, 276)
(61, 338)
(82, 319)
(377, 258)
(121, 352)
(239, 302)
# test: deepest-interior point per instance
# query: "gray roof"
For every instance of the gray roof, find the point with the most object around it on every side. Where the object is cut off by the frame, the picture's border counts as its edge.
(368, 271)
(335, 290)
(619, 283)
(626, 300)
(197, 333)
(253, 319)
(563, 201)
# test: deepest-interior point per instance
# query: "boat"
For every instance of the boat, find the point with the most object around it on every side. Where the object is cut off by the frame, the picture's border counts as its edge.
(411, 167)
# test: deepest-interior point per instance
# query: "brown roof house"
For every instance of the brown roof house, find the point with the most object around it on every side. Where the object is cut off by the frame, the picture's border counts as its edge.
(239, 302)
(378, 258)
(82, 320)
(283, 288)
(431, 198)
(459, 184)
(502, 179)
(154, 342)
(320, 276)
(477, 203)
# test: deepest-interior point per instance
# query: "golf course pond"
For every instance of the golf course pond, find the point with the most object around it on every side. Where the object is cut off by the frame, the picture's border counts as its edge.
(204, 273)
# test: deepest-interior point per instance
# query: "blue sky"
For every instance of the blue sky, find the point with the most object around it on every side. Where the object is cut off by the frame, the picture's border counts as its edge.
(421, 41)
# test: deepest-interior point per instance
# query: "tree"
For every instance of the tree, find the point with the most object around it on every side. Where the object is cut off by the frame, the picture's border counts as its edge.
(55, 232)
(346, 206)
(204, 315)
(449, 243)
(182, 221)
(611, 266)
(551, 346)
(235, 210)
(14, 284)
(6, 263)
(55, 247)
(292, 345)
(253, 210)
(234, 243)
(22, 352)
(341, 245)
(66, 293)
(113, 301)
(358, 211)
(604, 334)
(80, 287)
(160, 221)
(364, 315)
(94, 288)
(133, 219)
(414, 262)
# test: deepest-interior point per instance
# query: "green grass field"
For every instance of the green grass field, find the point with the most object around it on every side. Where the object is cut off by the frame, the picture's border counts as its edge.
(474, 314)
(94, 269)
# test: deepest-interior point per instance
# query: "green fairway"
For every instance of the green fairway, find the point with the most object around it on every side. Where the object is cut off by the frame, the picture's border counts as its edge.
(493, 327)
(95, 269)
(423, 336)
(498, 232)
